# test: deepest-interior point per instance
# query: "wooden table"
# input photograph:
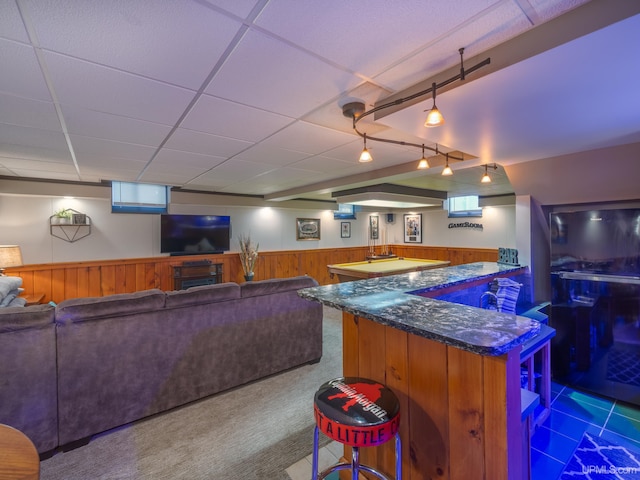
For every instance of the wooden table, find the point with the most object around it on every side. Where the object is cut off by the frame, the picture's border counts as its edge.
(18, 456)
(348, 272)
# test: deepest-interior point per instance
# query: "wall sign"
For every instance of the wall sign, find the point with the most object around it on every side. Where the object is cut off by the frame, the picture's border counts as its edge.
(508, 256)
(477, 226)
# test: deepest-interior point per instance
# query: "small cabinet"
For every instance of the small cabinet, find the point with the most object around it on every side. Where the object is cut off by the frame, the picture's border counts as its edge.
(72, 228)
(192, 274)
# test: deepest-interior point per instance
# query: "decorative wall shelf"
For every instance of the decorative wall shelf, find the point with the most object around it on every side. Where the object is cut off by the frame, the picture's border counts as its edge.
(70, 229)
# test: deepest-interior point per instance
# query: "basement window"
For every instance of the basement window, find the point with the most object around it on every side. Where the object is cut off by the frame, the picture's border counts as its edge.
(465, 206)
(128, 197)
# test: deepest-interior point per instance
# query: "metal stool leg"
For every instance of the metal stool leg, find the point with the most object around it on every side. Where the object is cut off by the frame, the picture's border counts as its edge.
(355, 463)
(398, 457)
(316, 435)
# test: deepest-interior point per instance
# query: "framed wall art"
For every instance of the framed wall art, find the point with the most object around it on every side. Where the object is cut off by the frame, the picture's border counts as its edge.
(374, 230)
(345, 230)
(307, 229)
(413, 228)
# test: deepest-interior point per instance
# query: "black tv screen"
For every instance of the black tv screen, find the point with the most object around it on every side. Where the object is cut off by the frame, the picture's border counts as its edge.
(194, 234)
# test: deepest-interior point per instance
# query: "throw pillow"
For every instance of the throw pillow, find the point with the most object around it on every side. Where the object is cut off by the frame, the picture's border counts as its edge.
(7, 284)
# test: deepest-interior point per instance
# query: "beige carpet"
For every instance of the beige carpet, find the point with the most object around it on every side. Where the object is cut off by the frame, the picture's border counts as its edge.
(252, 432)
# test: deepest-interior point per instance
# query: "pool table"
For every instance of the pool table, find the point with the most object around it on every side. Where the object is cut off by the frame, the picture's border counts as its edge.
(348, 272)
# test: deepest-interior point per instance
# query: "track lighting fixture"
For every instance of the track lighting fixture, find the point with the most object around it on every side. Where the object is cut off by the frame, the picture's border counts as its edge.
(434, 117)
(486, 178)
(447, 169)
(365, 156)
(356, 110)
(424, 163)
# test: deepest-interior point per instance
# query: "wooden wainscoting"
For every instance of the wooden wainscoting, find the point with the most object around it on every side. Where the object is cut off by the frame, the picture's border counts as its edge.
(60, 281)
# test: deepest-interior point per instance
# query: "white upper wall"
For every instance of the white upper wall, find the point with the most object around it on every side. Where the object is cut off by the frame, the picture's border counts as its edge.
(24, 220)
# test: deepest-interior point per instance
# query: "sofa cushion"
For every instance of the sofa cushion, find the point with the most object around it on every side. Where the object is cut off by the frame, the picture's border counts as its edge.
(276, 285)
(82, 309)
(20, 318)
(203, 294)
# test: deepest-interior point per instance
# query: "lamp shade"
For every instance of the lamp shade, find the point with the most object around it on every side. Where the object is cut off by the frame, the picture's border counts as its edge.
(10, 256)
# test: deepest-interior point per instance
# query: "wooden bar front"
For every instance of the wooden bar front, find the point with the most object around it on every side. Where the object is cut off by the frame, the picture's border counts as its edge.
(460, 411)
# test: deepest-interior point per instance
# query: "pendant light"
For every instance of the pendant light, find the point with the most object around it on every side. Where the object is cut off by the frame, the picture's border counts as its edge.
(424, 163)
(365, 156)
(434, 117)
(447, 169)
(486, 178)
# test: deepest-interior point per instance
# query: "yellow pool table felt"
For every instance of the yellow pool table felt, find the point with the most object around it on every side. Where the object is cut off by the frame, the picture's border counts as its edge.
(381, 268)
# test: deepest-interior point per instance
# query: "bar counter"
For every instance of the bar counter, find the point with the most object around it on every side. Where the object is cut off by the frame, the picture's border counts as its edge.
(455, 369)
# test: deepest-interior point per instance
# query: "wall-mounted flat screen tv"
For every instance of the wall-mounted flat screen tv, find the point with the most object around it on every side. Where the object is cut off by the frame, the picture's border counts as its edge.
(194, 234)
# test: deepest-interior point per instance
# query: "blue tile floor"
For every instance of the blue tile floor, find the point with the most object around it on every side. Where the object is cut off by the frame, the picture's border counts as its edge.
(572, 414)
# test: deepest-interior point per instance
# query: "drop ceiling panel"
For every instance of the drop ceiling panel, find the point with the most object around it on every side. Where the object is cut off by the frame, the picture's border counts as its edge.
(31, 152)
(176, 159)
(298, 84)
(107, 90)
(348, 36)
(230, 119)
(321, 163)
(32, 137)
(32, 165)
(21, 74)
(231, 172)
(28, 113)
(173, 41)
(242, 8)
(91, 123)
(92, 150)
(11, 25)
(308, 138)
(271, 155)
(205, 144)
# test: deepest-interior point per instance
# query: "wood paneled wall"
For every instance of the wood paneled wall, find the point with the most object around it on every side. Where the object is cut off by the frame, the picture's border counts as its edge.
(60, 281)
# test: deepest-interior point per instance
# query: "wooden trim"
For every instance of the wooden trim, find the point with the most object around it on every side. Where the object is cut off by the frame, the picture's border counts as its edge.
(96, 278)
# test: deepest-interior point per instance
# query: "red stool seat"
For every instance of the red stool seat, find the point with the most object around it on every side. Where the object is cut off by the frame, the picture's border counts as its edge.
(358, 412)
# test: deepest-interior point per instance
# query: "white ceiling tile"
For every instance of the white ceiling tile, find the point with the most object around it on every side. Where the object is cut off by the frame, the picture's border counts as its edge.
(11, 25)
(38, 166)
(548, 9)
(92, 151)
(230, 119)
(28, 113)
(241, 8)
(272, 155)
(90, 123)
(320, 163)
(21, 74)
(205, 143)
(32, 137)
(300, 82)
(232, 171)
(309, 138)
(79, 83)
(177, 159)
(347, 32)
(176, 42)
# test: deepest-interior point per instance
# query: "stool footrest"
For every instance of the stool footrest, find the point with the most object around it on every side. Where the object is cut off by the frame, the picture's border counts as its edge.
(347, 466)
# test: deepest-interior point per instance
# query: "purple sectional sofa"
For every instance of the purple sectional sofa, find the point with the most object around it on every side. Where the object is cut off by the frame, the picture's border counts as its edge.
(120, 358)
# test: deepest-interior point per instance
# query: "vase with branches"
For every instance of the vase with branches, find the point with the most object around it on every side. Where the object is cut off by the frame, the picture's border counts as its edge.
(248, 255)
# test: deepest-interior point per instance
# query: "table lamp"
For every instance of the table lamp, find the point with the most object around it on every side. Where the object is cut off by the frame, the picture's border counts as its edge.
(10, 256)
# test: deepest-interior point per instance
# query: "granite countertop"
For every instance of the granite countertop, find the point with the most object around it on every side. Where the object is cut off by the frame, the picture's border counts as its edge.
(392, 301)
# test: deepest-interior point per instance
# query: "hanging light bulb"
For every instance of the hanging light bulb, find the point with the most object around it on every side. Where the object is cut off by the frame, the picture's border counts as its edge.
(434, 117)
(365, 156)
(447, 169)
(486, 178)
(424, 163)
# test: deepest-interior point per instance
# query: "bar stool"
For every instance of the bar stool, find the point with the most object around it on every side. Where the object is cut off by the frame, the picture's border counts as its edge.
(358, 412)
